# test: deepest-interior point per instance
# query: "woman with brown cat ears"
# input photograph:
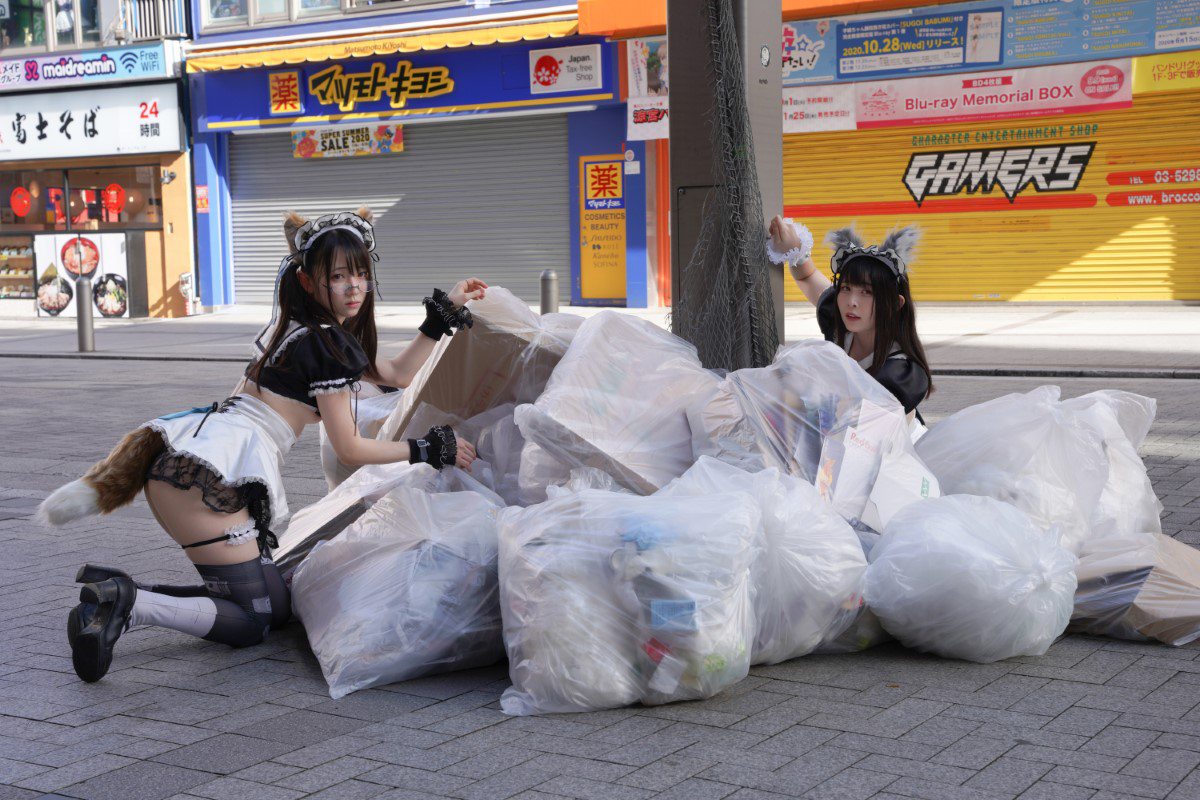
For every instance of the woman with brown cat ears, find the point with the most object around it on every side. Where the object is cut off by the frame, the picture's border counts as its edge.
(212, 475)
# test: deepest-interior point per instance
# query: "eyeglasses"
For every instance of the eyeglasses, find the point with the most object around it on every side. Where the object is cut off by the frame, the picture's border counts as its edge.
(351, 286)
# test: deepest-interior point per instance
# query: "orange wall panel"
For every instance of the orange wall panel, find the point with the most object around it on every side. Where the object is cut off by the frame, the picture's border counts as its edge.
(627, 18)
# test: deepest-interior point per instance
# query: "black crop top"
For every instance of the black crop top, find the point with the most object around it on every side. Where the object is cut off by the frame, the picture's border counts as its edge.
(304, 366)
(900, 375)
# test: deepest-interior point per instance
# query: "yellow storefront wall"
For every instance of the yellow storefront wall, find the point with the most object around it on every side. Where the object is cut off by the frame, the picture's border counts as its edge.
(1085, 244)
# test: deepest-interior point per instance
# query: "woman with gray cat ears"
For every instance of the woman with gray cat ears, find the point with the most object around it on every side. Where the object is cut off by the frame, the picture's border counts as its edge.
(867, 307)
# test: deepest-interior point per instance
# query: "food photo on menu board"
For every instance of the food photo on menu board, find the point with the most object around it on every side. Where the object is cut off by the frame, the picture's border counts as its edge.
(61, 258)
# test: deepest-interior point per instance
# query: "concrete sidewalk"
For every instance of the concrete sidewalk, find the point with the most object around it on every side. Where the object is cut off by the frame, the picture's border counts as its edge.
(1159, 340)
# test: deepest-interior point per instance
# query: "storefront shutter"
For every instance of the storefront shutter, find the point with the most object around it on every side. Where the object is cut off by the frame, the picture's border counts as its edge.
(485, 198)
(1103, 249)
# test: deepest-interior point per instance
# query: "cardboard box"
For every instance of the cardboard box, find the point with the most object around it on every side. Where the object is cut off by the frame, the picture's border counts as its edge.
(507, 357)
(1168, 606)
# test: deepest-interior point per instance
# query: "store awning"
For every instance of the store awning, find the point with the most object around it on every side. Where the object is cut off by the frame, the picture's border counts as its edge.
(276, 54)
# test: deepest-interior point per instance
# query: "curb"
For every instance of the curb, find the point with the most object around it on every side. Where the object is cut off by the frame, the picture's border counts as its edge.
(1033, 372)
(1152, 374)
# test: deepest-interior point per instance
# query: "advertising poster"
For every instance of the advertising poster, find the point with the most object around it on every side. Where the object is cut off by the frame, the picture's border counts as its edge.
(1039, 91)
(348, 141)
(818, 108)
(60, 258)
(602, 226)
(968, 37)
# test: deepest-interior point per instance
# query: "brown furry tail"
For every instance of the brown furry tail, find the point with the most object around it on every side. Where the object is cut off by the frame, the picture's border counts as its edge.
(109, 484)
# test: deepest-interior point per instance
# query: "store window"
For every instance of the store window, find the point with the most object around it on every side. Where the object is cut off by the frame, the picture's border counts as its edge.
(32, 201)
(25, 26)
(241, 13)
(31, 25)
(107, 198)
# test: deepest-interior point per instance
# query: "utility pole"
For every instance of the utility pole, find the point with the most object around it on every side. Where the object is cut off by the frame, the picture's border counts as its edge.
(699, 172)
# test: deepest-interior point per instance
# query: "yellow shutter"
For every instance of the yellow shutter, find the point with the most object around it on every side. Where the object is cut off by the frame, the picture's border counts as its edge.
(981, 247)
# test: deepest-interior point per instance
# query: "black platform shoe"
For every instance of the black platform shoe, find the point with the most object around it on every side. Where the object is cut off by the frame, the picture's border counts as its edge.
(93, 635)
(94, 573)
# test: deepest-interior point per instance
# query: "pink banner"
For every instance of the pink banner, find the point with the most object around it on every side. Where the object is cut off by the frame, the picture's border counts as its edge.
(1005, 94)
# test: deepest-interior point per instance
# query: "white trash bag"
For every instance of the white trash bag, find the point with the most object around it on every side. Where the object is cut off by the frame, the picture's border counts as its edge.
(1025, 450)
(609, 599)
(813, 413)
(1122, 548)
(811, 568)
(618, 401)
(972, 578)
(408, 589)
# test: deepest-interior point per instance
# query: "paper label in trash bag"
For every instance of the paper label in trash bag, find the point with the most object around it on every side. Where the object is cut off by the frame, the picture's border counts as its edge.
(673, 615)
(666, 678)
(903, 479)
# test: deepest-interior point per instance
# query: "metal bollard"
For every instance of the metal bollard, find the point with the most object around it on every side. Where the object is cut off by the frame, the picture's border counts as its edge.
(83, 312)
(549, 291)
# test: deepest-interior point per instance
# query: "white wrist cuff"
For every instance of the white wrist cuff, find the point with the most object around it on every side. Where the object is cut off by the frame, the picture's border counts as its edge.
(798, 254)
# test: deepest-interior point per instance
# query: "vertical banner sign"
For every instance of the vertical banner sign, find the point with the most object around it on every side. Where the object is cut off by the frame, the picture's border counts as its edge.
(648, 105)
(602, 227)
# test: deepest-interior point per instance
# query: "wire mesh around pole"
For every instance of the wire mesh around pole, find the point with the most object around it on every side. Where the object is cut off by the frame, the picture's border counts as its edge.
(724, 305)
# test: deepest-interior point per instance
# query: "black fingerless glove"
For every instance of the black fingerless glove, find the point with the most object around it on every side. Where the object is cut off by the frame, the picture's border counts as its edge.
(442, 317)
(438, 448)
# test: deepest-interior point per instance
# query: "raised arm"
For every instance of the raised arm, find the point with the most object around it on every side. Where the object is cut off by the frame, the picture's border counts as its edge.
(787, 244)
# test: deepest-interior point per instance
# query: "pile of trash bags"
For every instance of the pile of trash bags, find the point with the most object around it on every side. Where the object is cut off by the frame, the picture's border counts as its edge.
(639, 529)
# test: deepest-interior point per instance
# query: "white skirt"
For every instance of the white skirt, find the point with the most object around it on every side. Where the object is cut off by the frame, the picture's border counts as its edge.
(244, 442)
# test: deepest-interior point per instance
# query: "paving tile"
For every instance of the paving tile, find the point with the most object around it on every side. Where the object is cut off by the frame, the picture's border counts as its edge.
(507, 783)
(666, 772)
(584, 789)
(587, 768)
(1140, 787)
(301, 728)
(237, 789)
(1122, 742)
(327, 774)
(360, 790)
(410, 778)
(1069, 758)
(55, 779)
(930, 790)
(1163, 763)
(1084, 721)
(797, 740)
(224, 754)
(1056, 791)
(140, 781)
(851, 784)
(973, 752)
(1008, 775)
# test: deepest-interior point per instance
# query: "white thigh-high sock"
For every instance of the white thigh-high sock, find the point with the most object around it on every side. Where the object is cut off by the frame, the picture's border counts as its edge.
(194, 615)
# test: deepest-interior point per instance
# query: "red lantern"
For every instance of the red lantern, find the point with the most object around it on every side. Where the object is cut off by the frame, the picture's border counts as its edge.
(113, 198)
(20, 200)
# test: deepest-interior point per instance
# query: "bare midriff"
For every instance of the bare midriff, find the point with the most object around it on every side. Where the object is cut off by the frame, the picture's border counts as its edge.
(295, 413)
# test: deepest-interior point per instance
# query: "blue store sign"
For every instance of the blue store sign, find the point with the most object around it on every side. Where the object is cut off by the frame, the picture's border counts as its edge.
(439, 84)
(86, 68)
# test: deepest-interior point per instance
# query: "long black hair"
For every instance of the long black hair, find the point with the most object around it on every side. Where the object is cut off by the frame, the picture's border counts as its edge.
(297, 305)
(895, 322)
